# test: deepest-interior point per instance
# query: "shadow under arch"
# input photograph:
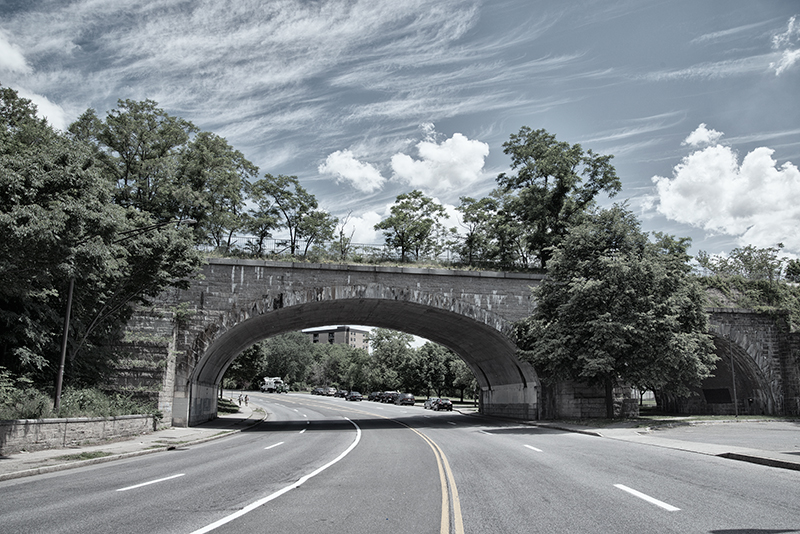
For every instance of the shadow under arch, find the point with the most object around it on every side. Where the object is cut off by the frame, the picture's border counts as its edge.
(752, 394)
(737, 385)
(480, 337)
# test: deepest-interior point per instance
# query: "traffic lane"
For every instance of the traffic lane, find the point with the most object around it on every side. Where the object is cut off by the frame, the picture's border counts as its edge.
(544, 481)
(215, 477)
(389, 483)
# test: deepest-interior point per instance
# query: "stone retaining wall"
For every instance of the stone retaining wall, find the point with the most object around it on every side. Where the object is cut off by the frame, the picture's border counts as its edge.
(39, 434)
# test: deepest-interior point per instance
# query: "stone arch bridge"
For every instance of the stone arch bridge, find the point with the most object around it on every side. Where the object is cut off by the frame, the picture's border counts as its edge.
(195, 334)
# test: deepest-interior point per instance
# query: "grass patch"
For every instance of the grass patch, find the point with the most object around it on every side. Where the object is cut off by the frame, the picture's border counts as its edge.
(88, 455)
(226, 406)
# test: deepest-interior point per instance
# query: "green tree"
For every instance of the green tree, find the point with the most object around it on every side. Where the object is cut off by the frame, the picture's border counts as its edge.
(59, 223)
(748, 262)
(210, 188)
(412, 225)
(263, 217)
(390, 351)
(554, 185)
(358, 375)
(140, 145)
(316, 228)
(164, 166)
(433, 362)
(478, 218)
(616, 307)
(464, 379)
(288, 356)
(298, 210)
(793, 270)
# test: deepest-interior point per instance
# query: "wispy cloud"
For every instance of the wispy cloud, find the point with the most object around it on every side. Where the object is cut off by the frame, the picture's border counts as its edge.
(715, 70)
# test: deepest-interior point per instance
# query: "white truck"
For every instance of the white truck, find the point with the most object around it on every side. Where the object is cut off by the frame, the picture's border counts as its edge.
(273, 385)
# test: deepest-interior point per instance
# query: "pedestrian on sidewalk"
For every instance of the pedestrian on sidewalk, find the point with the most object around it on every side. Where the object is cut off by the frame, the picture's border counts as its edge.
(246, 399)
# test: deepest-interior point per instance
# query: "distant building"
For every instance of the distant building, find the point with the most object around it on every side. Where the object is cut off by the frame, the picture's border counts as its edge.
(342, 335)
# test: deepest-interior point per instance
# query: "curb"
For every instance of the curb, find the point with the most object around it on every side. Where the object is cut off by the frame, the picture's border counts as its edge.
(121, 456)
(760, 460)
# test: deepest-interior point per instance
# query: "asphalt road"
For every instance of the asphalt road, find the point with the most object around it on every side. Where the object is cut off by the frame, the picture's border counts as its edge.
(326, 465)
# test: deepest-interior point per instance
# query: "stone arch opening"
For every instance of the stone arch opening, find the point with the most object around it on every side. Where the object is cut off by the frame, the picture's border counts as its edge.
(476, 335)
(737, 385)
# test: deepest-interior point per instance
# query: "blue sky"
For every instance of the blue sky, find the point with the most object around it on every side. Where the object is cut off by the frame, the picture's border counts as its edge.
(364, 100)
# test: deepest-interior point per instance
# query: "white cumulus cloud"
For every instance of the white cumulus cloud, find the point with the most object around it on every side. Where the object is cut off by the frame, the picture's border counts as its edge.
(757, 201)
(453, 164)
(702, 136)
(346, 167)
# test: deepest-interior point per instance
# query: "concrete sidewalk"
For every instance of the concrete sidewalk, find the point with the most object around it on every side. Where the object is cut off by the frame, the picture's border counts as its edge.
(25, 464)
(768, 442)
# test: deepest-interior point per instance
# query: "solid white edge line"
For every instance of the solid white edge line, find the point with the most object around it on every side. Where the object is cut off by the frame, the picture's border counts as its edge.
(275, 445)
(647, 498)
(531, 447)
(300, 482)
(151, 482)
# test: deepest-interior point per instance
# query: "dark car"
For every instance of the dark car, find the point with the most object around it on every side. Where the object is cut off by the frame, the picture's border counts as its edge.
(388, 397)
(374, 396)
(353, 396)
(443, 404)
(405, 399)
(430, 402)
(318, 391)
(340, 393)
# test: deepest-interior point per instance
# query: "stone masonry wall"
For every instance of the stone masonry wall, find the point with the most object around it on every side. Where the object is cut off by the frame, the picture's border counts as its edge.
(39, 434)
(760, 335)
(791, 373)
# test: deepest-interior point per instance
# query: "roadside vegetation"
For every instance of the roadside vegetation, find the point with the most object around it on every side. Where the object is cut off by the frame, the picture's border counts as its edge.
(20, 400)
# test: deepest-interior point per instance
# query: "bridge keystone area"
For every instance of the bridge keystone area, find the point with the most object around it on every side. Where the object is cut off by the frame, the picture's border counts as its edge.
(190, 337)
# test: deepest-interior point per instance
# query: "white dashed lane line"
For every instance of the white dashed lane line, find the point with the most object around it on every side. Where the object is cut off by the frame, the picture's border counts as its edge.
(151, 482)
(274, 445)
(651, 500)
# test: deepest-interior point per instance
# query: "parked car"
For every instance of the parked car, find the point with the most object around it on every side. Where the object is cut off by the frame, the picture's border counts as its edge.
(430, 402)
(374, 396)
(443, 404)
(330, 392)
(353, 396)
(388, 397)
(340, 393)
(405, 399)
(318, 391)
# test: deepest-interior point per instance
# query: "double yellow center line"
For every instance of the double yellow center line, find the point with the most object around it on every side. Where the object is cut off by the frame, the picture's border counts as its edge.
(450, 500)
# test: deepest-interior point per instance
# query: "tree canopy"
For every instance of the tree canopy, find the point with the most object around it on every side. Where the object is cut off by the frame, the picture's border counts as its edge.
(617, 307)
(555, 183)
(413, 224)
(60, 221)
